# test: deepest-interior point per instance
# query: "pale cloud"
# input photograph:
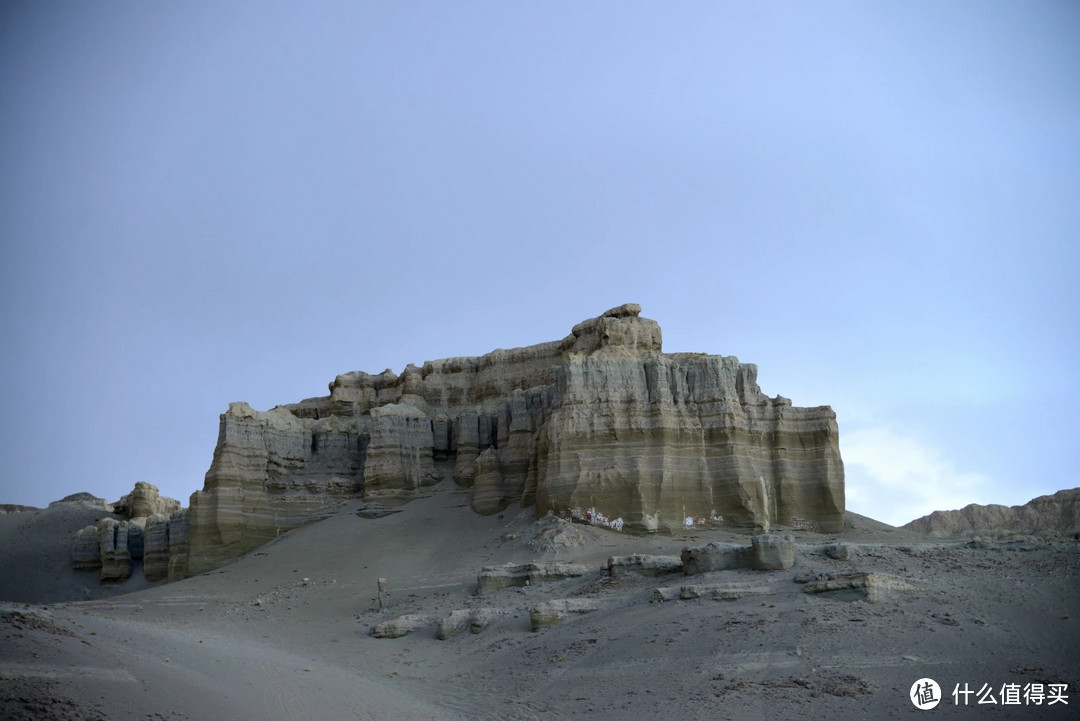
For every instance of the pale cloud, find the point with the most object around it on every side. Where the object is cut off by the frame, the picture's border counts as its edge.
(896, 478)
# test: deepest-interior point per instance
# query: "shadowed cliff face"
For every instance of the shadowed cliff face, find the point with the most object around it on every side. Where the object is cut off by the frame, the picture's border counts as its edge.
(601, 426)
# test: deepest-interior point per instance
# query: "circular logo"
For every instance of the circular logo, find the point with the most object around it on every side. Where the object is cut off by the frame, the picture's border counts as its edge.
(925, 694)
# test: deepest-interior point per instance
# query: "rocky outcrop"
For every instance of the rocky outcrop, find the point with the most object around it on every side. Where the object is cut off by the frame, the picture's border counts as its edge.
(868, 587)
(473, 620)
(494, 578)
(644, 565)
(16, 508)
(769, 552)
(272, 472)
(551, 613)
(86, 549)
(401, 626)
(156, 548)
(1054, 515)
(143, 501)
(83, 499)
(714, 591)
(178, 546)
(114, 553)
(838, 551)
(159, 541)
(601, 427)
(772, 552)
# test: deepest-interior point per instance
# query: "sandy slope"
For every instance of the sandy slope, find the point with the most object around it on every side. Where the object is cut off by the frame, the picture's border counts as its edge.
(35, 556)
(283, 634)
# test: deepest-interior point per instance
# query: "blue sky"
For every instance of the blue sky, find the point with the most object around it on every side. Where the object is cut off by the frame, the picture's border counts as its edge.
(874, 202)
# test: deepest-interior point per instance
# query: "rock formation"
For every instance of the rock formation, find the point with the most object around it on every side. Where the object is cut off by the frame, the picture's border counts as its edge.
(714, 591)
(401, 626)
(860, 586)
(144, 501)
(82, 499)
(601, 427)
(155, 531)
(770, 552)
(494, 578)
(473, 620)
(115, 556)
(86, 549)
(178, 545)
(551, 613)
(16, 508)
(644, 565)
(156, 548)
(1057, 514)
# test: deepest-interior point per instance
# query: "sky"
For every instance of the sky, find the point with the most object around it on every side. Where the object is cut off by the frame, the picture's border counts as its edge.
(876, 203)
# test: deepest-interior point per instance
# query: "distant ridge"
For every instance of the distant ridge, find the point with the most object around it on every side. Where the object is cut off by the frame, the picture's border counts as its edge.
(1053, 515)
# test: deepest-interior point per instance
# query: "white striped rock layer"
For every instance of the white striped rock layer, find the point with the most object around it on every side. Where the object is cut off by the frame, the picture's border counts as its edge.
(601, 426)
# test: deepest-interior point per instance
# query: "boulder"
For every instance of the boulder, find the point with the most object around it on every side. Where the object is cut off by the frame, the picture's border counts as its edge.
(838, 551)
(473, 620)
(715, 557)
(768, 552)
(773, 552)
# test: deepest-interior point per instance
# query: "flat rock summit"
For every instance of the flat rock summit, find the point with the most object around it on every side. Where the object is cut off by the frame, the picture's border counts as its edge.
(601, 426)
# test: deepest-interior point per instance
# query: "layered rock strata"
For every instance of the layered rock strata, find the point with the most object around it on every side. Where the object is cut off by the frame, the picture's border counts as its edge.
(601, 427)
(155, 532)
(114, 553)
(859, 586)
(86, 549)
(644, 565)
(156, 547)
(551, 613)
(401, 626)
(145, 501)
(178, 545)
(494, 578)
(768, 552)
(1054, 515)
(473, 620)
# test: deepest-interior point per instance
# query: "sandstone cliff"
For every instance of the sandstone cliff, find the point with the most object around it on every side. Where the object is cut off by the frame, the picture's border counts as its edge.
(601, 426)
(1054, 515)
(144, 501)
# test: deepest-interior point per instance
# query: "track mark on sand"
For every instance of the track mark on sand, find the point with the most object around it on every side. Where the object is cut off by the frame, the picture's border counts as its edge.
(11, 671)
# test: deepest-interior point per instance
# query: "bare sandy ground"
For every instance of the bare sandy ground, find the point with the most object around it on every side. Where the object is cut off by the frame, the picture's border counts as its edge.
(284, 633)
